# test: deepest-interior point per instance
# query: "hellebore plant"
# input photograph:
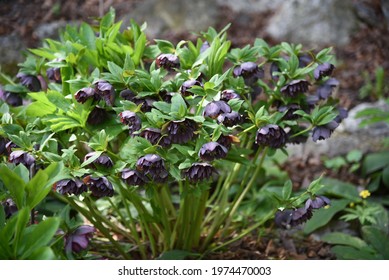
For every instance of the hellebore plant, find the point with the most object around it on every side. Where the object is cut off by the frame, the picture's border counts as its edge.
(172, 138)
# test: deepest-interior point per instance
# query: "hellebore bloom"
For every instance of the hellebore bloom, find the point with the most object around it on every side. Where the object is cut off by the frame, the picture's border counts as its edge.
(271, 135)
(324, 91)
(317, 203)
(291, 218)
(127, 94)
(155, 137)
(10, 207)
(199, 171)
(323, 70)
(212, 150)
(102, 160)
(154, 166)
(323, 132)
(249, 71)
(29, 81)
(131, 120)
(11, 98)
(304, 60)
(70, 186)
(229, 119)
(54, 74)
(22, 157)
(227, 140)
(99, 186)
(343, 113)
(295, 87)
(289, 111)
(187, 85)
(215, 108)
(168, 61)
(84, 94)
(133, 177)
(106, 91)
(147, 104)
(181, 132)
(79, 239)
(229, 94)
(97, 116)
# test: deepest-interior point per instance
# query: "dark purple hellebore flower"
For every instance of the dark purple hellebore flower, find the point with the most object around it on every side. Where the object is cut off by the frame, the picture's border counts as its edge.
(304, 60)
(343, 113)
(155, 137)
(323, 70)
(249, 71)
(79, 239)
(29, 81)
(147, 104)
(229, 119)
(228, 94)
(289, 111)
(204, 47)
(212, 150)
(181, 132)
(168, 61)
(199, 171)
(10, 207)
(106, 91)
(54, 74)
(324, 91)
(70, 186)
(291, 218)
(133, 177)
(271, 135)
(317, 203)
(102, 160)
(97, 116)
(215, 108)
(187, 85)
(226, 140)
(22, 157)
(84, 94)
(131, 119)
(154, 166)
(99, 186)
(295, 87)
(127, 94)
(323, 132)
(11, 98)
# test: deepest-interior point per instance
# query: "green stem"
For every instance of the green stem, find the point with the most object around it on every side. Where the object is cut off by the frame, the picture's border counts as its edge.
(302, 132)
(95, 222)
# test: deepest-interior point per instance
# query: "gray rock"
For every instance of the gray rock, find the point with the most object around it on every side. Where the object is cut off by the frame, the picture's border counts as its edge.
(51, 29)
(11, 47)
(251, 6)
(314, 22)
(348, 136)
(166, 16)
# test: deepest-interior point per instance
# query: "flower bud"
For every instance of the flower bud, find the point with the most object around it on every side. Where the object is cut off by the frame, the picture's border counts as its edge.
(84, 94)
(106, 91)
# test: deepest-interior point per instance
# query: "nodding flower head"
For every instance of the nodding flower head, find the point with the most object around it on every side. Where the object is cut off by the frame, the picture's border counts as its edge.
(131, 119)
(133, 177)
(153, 165)
(271, 135)
(199, 171)
(99, 186)
(215, 108)
(323, 70)
(106, 91)
(212, 150)
(295, 87)
(182, 131)
(70, 186)
(168, 61)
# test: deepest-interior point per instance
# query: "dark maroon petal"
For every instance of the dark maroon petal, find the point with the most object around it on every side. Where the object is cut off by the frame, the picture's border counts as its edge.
(323, 70)
(168, 61)
(212, 150)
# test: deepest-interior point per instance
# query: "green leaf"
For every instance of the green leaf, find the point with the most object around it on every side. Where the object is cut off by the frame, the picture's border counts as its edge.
(340, 189)
(140, 45)
(2, 217)
(175, 255)
(14, 184)
(37, 236)
(88, 37)
(385, 176)
(21, 223)
(350, 253)
(178, 105)
(354, 156)
(287, 190)
(44, 253)
(58, 100)
(341, 238)
(378, 239)
(165, 46)
(322, 216)
(374, 162)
